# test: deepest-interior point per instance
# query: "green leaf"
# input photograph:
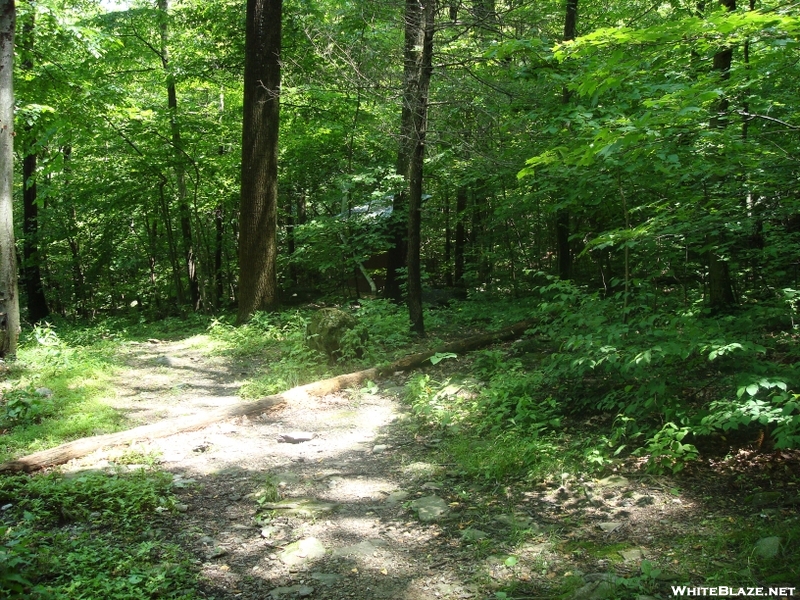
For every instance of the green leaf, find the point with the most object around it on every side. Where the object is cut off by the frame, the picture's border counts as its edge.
(440, 356)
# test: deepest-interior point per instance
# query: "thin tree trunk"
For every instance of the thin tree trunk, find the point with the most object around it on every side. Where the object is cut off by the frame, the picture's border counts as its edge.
(563, 251)
(461, 237)
(448, 245)
(9, 298)
(36, 300)
(397, 255)
(180, 169)
(258, 213)
(219, 228)
(720, 287)
(419, 46)
(78, 299)
(31, 269)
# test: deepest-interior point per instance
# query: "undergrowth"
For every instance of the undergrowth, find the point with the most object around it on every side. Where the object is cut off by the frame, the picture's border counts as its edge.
(55, 391)
(667, 382)
(88, 536)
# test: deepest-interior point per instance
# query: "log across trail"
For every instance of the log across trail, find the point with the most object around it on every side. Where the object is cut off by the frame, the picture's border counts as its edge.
(78, 448)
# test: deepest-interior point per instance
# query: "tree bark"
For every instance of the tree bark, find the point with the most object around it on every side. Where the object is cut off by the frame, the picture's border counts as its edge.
(31, 270)
(84, 446)
(219, 241)
(720, 286)
(448, 245)
(258, 212)
(180, 169)
(9, 298)
(461, 237)
(563, 251)
(419, 67)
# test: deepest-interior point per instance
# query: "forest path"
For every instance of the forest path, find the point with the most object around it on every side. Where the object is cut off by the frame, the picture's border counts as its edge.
(359, 509)
(349, 531)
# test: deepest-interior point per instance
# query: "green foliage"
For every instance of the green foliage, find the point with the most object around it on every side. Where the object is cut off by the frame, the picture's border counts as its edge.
(432, 402)
(665, 449)
(82, 537)
(386, 326)
(513, 400)
(440, 356)
(23, 406)
(267, 493)
(17, 564)
(665, 380)
(55, 390)
(277, 341)
(99, 497)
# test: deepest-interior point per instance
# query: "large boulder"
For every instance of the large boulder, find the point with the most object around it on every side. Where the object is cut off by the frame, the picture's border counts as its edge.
(327, 329)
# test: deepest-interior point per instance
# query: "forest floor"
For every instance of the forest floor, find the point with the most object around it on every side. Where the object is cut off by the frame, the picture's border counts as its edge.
(360, 510)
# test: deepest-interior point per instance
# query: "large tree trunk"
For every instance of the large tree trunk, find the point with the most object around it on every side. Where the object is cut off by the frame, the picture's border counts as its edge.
(9, 298)
(82, 447)
(258, 212)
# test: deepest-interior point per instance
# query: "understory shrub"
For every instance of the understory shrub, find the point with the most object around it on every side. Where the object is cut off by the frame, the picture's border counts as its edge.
(663, 378)
(89, 536)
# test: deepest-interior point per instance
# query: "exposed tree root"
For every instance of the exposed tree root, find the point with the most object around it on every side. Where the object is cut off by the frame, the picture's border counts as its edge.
(82, 447)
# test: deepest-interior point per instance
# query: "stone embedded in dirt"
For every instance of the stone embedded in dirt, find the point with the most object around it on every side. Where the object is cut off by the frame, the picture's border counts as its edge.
(270, 531)
(612, 481)
(301, 507)
(302, 551)
(396, 498)
(473, 535)
(536, 548)
(610, 526)
(632, 555)
(296, 437)
(326, 578)
(599, 587)
(165, 360)
(378, 448)
(768, 547)
(517, 521)
(430, 508)
(217, 552)
(296, 591)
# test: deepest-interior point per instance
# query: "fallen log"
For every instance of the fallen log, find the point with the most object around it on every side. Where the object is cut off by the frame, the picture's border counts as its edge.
(78, 448)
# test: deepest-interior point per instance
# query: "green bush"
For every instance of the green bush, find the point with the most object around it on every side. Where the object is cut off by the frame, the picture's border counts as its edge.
(89, 536)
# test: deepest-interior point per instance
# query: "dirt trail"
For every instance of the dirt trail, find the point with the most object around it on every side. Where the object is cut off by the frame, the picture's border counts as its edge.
(361, 514)
(347, 533)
